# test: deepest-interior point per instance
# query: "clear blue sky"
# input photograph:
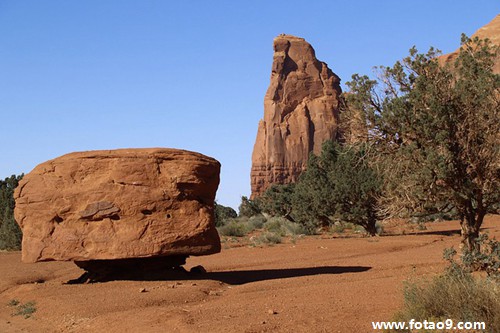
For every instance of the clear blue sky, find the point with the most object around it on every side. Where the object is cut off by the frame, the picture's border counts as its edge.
(105, 74)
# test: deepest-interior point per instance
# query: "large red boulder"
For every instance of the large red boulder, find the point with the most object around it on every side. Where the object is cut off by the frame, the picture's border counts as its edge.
(119, 204)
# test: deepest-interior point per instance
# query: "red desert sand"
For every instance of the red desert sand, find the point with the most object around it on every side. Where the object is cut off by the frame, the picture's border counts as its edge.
(317, 284)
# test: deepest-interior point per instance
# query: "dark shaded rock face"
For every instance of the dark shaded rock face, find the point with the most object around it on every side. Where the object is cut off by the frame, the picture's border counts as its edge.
(119, 204)
(300, 112)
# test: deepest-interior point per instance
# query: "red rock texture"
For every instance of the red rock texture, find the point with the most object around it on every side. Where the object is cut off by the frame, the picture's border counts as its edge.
(119, 204)
(300, 113)
(490, 31)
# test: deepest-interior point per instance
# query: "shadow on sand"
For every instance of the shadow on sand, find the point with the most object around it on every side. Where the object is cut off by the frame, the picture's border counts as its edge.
(451, 232)
(248, 276)
(235, 277)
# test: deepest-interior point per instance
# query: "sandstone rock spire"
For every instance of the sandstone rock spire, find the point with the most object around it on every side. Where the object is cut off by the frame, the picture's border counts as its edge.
(301, 111)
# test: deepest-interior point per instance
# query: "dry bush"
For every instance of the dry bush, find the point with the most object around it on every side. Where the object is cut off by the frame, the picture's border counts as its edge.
(456, 295)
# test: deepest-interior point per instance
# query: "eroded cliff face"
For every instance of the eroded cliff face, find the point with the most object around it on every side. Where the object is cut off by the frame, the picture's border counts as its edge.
(301, 111)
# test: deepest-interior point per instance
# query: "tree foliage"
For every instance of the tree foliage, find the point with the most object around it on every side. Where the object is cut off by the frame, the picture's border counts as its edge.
(437, 127)
(10, 233)
(338, 185)
(248, 207)
(223, 213)
(277, 200)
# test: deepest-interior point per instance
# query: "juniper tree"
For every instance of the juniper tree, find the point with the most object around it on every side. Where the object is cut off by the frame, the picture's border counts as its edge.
(339, 184)
(440, 125)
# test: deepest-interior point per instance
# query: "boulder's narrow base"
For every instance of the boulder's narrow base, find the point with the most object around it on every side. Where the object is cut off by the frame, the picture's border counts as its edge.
(157, 268)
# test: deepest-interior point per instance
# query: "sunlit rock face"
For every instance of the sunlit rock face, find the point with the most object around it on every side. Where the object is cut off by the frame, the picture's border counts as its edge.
(119, 204)
(301, 111)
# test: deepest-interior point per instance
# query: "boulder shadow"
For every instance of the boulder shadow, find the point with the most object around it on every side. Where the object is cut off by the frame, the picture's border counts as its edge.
(239, 277)
(450, 232)
(170, 268)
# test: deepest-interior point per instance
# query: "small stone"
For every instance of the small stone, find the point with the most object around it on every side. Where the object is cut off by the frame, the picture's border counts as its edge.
(272, 312)
(142, 290)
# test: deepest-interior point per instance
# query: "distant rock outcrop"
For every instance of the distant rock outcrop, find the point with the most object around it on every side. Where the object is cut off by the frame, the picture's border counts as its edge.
(300, 113)
(490, 31)
(119, 205)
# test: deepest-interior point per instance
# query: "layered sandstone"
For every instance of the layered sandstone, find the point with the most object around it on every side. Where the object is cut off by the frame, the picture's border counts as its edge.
(119, 204)
(300, 113)
(490, 31)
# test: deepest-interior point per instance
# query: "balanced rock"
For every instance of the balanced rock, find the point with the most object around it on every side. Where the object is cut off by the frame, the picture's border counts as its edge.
(301, 110)
(490, 31)
(119, 204)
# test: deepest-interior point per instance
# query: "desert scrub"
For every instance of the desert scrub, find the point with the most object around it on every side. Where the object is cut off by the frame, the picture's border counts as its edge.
(25, 310)
(257, 221)
(13, 302)
(337, 228)
(484, 257)
(241, 226)
(458, 294)
(284, 227)
(267, 237)
(233, 228)
(454, 295)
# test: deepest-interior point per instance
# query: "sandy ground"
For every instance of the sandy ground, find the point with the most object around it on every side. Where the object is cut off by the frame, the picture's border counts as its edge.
(318, 284)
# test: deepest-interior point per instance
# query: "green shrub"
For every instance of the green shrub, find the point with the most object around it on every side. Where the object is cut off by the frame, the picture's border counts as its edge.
(338, 184)
(267, 238)
(223, 213)
(284, 227)
(233, 228)
(257, 221)
(348, 225)
(26, 310)
(277, 200)
(248, 207)
(338, 228)
(241, 226)
(293, 229)
(13, 302)
(485, 257)
(10, 233)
